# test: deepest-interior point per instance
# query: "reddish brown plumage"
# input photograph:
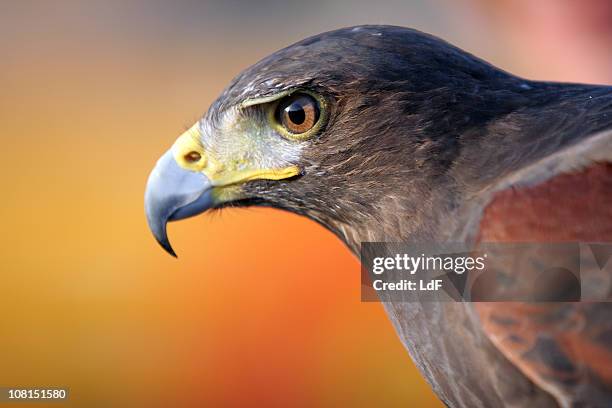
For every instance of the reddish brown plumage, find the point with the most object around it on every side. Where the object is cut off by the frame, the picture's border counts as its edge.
(574, 206)
(559, 346)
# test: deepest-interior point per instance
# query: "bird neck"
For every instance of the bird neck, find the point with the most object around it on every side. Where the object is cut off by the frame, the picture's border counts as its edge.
(424, 179)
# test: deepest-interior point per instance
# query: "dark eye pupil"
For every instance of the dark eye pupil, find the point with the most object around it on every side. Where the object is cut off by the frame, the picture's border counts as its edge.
(296, 113)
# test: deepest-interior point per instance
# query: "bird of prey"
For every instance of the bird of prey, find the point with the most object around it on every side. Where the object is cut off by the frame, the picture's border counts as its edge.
(387, 134)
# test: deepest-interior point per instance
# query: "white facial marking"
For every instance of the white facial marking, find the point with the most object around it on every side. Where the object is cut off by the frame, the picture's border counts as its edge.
(243, 139)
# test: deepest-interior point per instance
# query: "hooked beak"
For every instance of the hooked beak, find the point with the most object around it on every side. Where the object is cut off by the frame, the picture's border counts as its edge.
(174, 193)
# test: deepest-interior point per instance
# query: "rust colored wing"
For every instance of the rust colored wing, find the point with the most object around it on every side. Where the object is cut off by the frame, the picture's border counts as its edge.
(564, 348)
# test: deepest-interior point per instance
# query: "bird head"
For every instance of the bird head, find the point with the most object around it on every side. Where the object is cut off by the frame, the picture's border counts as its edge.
(336, 127)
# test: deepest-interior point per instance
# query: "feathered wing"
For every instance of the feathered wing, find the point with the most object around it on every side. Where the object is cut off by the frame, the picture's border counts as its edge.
(565, 348)
(540, 174)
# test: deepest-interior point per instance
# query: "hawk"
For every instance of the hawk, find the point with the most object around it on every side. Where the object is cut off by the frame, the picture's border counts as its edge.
(387, 134)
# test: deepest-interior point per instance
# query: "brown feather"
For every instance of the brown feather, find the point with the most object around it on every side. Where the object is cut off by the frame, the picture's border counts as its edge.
(563, 347)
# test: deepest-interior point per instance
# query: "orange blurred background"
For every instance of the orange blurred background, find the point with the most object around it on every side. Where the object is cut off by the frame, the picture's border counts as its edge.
(262, 307)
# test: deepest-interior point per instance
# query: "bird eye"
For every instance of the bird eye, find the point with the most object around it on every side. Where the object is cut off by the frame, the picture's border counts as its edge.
(298, 113)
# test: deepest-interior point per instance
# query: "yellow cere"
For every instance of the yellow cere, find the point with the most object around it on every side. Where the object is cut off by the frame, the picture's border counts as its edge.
(189, 143)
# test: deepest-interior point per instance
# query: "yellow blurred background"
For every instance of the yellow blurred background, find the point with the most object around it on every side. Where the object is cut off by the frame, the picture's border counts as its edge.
(262, 307)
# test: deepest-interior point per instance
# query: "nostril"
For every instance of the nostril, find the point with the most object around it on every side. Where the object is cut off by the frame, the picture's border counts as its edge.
(192, 157)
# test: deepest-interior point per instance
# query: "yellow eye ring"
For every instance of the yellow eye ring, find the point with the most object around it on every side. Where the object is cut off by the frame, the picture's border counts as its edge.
(298, 116)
